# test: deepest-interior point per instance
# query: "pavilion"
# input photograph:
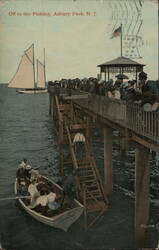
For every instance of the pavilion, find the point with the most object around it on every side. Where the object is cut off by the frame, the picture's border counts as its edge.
(120, 65)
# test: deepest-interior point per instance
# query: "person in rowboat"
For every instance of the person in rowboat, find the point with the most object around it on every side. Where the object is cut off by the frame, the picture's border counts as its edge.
(28, 169)
(23, 172)
(34, 175)
(34, 193)
(52, 203)
(23, 163)
(20, 174)
(41, 202)
(23, 189)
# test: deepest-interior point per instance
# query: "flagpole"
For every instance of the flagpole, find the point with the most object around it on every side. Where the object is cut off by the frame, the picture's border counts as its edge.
(34, 68)
(121, 41)
(44, 68)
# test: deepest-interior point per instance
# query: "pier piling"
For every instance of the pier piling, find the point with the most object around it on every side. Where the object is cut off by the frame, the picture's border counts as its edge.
(142, 180)
(108, 172)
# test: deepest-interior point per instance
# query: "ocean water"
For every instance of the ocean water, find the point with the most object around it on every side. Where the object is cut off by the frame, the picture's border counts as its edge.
(27, 130)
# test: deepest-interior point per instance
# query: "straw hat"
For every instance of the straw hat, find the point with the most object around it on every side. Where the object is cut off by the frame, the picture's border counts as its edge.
(28, 167)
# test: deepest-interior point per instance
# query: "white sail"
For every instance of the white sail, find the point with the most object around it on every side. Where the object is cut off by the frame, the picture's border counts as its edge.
(30, 53)
(40, 75)
(24, 76)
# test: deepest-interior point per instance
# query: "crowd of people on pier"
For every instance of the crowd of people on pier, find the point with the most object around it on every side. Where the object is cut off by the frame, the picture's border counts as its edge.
(144, 91)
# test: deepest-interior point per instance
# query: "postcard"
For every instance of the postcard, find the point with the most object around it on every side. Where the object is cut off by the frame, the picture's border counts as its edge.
(79, 84)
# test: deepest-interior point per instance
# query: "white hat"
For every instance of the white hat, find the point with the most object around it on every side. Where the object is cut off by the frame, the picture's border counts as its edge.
(28, 167)
(147, 107)
(23, 183)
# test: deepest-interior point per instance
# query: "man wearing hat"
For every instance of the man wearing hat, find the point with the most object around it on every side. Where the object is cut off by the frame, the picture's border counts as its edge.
(142, 80)
(20, 174)
(23, 163)
(34, 174)
(28, 169)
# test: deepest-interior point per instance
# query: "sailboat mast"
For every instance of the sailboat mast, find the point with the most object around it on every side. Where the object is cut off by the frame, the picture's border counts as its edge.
(44, 69)
(33, 65)
(37, 71)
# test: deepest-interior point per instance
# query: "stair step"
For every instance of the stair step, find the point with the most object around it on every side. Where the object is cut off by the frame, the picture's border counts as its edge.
(96, 197)
(89, 171)
(94, 192)
(90, 194)
(81, 164)
(92, 205)
(87, 181)
(83, 181)
(85, 168)
(87, 176)
(92, 187)
(67, 162)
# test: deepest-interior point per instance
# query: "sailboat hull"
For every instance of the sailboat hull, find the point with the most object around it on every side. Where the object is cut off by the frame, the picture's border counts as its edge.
(32, 91)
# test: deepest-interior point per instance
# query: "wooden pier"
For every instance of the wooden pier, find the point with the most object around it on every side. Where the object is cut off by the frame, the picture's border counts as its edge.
(72, 111)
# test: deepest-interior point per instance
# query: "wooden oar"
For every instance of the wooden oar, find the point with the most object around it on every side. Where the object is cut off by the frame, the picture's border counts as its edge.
(1, 247)
(14, 198)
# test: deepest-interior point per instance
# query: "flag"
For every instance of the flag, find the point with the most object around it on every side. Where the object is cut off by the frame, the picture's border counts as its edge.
(116, 32)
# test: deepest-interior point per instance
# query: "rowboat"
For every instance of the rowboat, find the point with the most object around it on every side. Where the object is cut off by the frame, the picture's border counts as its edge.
(62, 217)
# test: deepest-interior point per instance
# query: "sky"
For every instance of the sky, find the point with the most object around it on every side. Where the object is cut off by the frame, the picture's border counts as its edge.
(75, 43)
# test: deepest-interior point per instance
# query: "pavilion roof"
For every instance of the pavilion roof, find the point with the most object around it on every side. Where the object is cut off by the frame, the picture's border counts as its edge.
(121, 61)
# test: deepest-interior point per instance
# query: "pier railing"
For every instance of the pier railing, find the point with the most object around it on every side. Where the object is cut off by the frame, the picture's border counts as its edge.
(129, 115)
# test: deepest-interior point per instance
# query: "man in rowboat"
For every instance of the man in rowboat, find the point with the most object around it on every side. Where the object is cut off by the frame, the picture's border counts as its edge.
(34, 193)
(23, 163)
(53, 203)
(21, 174)
(34, 174)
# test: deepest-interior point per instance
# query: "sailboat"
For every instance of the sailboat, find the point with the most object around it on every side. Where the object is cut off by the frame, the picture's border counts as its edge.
(24, 78)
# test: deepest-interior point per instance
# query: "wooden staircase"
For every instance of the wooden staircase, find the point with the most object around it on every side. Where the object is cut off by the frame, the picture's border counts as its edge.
(91, 191)
(88, 181)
